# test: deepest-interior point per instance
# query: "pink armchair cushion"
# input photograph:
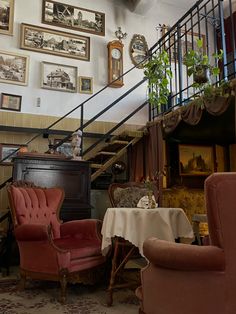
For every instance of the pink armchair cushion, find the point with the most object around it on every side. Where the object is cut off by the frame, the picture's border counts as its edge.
(31, 232)
(38, 206)
(82, 229)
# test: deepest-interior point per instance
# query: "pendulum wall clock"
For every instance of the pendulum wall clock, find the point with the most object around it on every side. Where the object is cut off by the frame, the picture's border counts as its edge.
(115, 63)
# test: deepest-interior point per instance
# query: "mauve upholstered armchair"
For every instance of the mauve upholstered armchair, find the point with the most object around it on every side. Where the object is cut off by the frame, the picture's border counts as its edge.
(191, 279)
(49, 249)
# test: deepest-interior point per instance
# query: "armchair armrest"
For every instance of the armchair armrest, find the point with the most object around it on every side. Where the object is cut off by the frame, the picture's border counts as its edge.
(85, 228)
(32, 232)
(183, 256)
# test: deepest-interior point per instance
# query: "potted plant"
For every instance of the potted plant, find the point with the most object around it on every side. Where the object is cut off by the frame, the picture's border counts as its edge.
(198, 65)
(158, 72)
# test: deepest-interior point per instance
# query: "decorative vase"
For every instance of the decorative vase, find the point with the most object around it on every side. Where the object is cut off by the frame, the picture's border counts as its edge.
(151, 201)
(75, 144)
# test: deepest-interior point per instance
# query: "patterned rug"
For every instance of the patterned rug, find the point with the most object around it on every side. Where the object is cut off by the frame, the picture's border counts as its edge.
(42, 298)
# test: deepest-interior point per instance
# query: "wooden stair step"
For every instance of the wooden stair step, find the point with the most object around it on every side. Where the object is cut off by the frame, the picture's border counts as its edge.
(100, 158)
(95, 166)
(115, 146)
(108, 153)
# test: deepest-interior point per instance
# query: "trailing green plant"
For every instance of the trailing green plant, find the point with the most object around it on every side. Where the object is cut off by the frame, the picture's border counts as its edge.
(198, 65)
(158, 71)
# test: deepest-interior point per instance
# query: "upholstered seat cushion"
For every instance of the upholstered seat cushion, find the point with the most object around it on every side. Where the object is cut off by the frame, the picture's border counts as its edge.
(79, 249)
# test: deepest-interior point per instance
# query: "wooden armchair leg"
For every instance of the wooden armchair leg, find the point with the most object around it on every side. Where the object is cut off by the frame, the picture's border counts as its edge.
(22, 280)
(63, 282)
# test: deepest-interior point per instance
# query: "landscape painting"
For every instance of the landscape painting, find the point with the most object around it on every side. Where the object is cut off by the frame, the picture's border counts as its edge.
(59, 77)
(80, 19)
(6, 16)
(54, 42)
(13, 68)
(196, 160)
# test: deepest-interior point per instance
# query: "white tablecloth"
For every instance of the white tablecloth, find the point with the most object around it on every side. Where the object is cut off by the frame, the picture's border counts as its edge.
(138, 224)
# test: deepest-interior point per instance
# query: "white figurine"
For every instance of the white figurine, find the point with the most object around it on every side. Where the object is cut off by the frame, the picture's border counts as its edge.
(75, 143)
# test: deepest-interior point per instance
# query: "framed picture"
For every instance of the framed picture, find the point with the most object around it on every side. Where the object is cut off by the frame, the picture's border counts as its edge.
(85, 85)
(188, 42)
(54, 42)
(6, 16)
(65, 148)
(13, 68)
(64, 15)
(10, 102)
(138, 50)
(195, 160)
(9, 151)
(59, 77)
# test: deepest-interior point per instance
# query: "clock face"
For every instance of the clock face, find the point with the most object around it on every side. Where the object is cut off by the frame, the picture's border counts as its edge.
(116, 54)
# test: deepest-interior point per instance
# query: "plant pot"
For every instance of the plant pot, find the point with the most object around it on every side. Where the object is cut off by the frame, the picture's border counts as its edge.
(201, 75)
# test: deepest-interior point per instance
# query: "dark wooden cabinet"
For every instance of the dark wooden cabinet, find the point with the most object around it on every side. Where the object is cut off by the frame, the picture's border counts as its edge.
(72, 176)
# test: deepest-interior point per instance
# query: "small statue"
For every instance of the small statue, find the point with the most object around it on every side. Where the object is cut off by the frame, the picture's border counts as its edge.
(75, 143)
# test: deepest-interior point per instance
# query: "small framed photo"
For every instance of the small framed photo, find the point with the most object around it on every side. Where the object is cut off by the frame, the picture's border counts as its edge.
(6, 16)
(8, 151)
(64, 149)
(195, 160)
(85, 85)
(10, 102)
(59, 77)
(13, 68)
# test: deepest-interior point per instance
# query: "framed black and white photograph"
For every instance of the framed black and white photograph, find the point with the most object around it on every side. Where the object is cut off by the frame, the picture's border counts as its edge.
(8, 151)
(13, 68)
(10, 102)
(59, 77)
(85, 85)
(54, 42)
(6, 17)
(64, 15)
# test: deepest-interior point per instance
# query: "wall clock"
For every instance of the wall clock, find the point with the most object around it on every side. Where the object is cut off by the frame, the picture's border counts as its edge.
(115, 63)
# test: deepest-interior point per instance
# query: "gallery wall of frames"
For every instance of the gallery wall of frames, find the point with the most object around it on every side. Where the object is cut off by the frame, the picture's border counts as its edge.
(53, 55)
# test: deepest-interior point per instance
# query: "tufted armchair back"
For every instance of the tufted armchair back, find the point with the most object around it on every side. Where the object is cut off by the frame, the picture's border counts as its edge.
(34, 205)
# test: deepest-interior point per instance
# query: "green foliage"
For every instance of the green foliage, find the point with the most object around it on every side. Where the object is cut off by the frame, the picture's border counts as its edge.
(197, 62)
(158, 72)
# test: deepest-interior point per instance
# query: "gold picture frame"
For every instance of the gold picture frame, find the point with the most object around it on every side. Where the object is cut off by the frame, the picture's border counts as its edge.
(7, 16)
(138, 50)
(14, 68)
(195, 160)
(85, 85)
(72, 17)
(46, 40)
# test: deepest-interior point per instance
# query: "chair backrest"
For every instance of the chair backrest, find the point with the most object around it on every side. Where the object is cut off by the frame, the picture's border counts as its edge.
(128, 194)
(220, 194)
(35, 205)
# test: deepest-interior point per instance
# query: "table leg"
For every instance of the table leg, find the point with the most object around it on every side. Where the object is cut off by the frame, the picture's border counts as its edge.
(115, 269)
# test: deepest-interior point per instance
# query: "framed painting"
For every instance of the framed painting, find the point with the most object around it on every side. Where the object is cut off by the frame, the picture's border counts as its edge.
(13, 68)
(10, 102)
(138, 50)
(188, 42)
(65, 15)
(59, 77)
(54, 42)
(9, 151)
(85, 85)
(6, 16)
(195, 160)
(64, 149)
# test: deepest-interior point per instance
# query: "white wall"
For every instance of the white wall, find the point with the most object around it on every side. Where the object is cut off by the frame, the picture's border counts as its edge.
(59, 103)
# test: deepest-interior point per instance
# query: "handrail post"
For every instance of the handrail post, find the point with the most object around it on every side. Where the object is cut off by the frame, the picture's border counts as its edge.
(222, 29)
(180, 65)
(81, 128)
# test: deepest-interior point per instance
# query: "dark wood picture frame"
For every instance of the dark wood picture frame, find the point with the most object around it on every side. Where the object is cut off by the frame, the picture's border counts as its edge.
(6, 149)
(72, 17)
(46, 40)
(195, 160)
(10, 102)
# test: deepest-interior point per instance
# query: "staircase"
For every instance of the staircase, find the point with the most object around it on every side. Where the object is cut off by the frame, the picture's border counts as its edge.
(112, 151)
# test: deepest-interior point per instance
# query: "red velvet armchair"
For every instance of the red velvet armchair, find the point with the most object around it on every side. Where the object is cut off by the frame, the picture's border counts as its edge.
(49, 249)
(191, 279)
